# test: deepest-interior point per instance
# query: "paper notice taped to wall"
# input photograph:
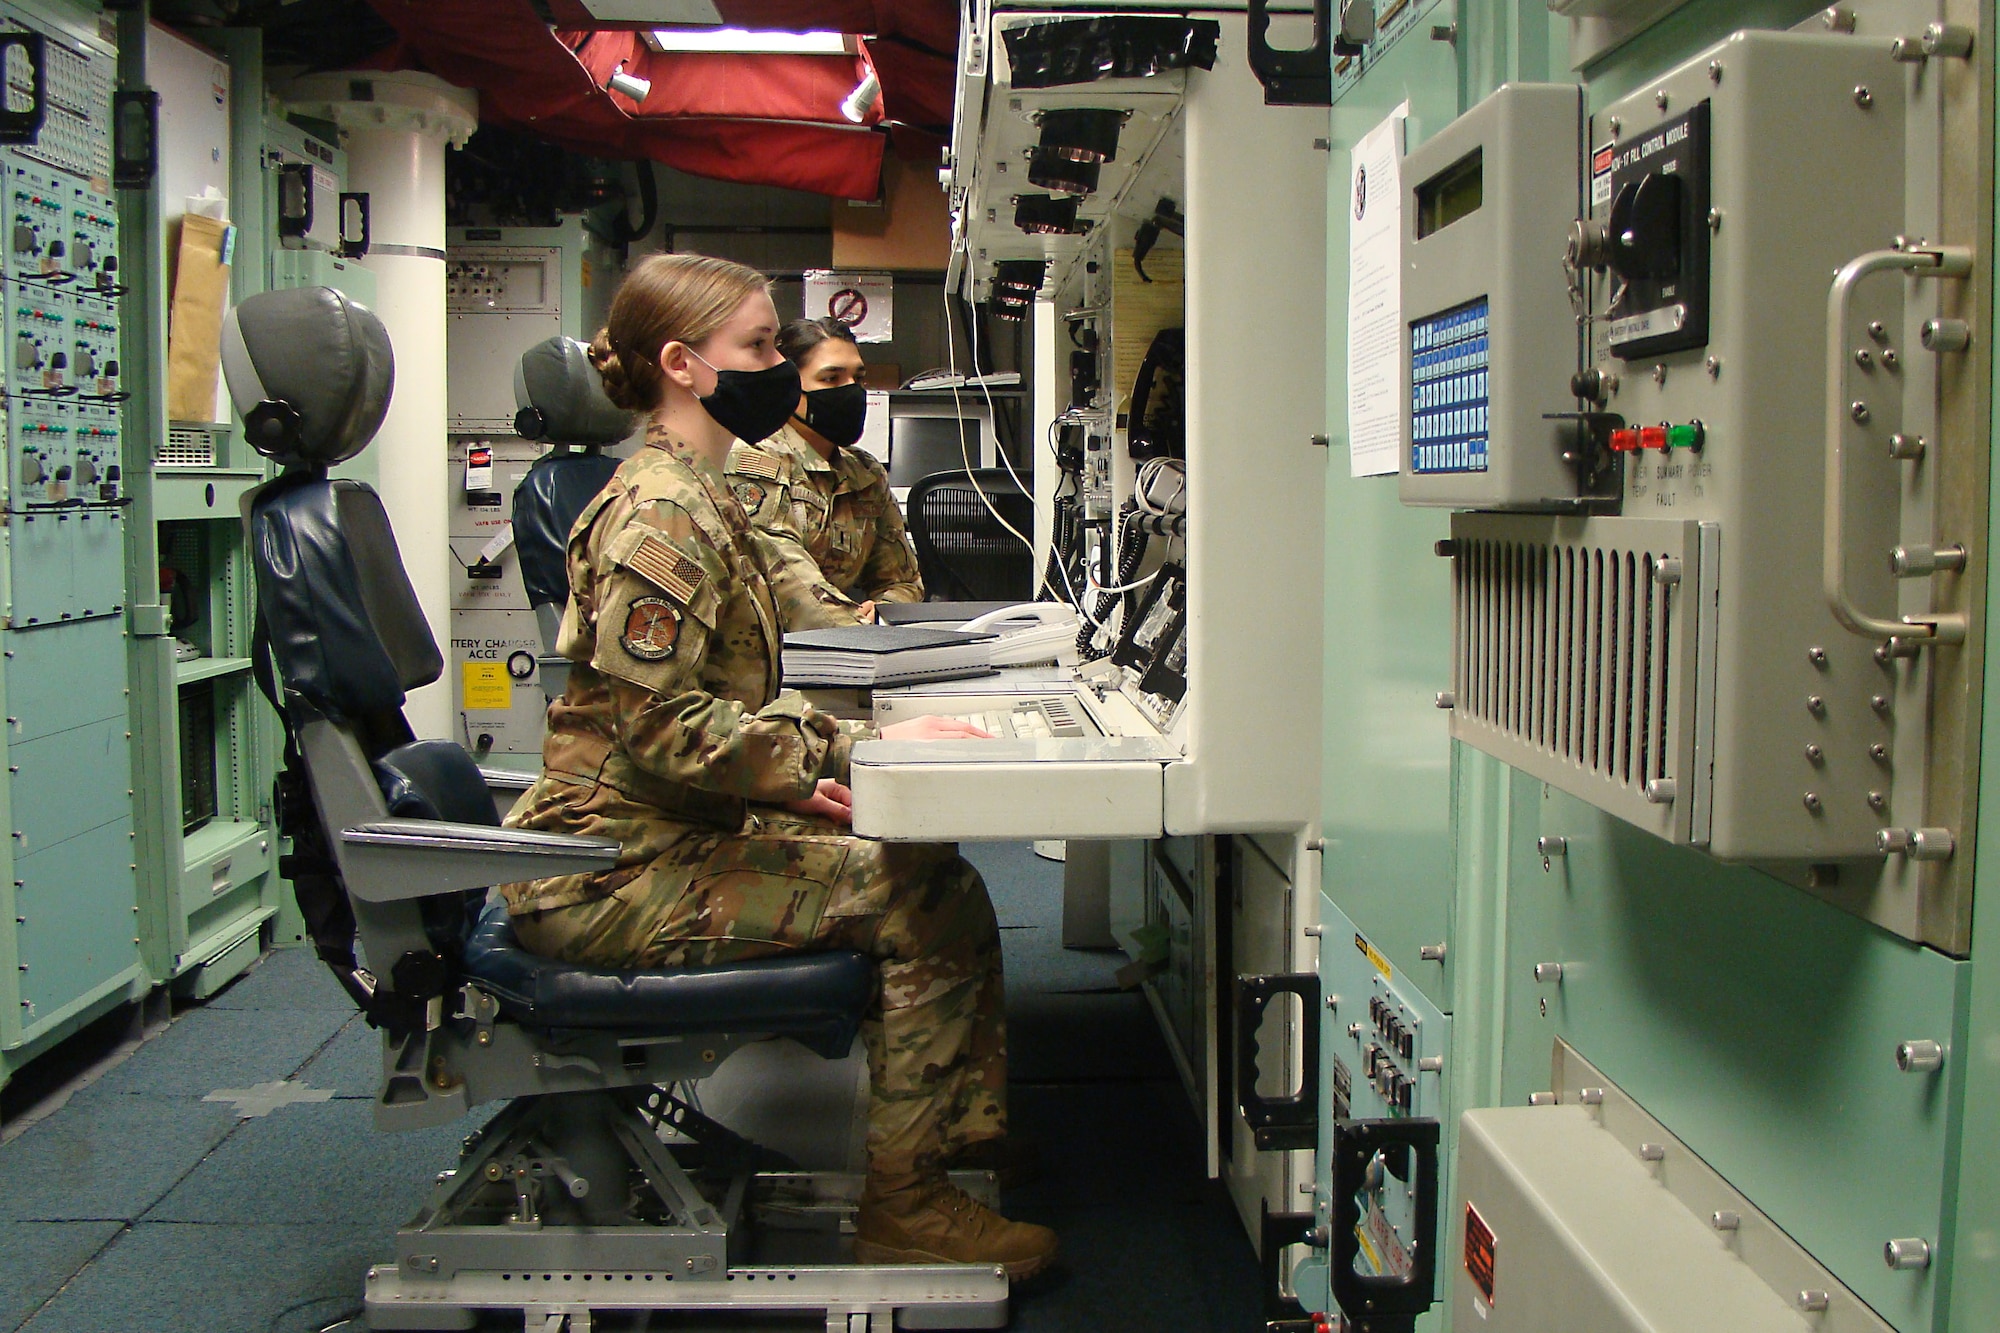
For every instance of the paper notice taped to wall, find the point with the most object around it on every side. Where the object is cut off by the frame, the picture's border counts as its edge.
(1375, 299)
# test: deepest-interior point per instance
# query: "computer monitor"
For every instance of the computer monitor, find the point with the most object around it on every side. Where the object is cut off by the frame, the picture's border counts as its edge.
(921, 446)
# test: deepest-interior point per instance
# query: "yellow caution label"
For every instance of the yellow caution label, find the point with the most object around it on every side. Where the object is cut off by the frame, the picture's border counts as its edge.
(1381, 963)
(487, 685)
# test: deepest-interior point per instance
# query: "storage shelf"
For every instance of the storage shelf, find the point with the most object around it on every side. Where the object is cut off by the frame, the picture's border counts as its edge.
(207, 668)
(218, 837)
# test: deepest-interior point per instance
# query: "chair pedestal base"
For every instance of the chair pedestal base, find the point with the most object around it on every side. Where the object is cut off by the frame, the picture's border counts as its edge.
(578, 1202)
(856, 1298)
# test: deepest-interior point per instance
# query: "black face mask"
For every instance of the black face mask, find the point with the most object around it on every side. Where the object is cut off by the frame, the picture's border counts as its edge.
(838, 414)
(752, 404)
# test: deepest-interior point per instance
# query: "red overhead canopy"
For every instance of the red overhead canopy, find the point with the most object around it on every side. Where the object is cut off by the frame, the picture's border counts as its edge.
(759, 119)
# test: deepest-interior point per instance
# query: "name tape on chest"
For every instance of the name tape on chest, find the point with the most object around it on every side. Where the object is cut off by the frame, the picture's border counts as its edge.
(666, 568)
(751, 463)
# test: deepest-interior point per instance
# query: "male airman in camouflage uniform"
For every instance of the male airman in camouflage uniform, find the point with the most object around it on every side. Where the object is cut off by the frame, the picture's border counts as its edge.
(673, 738)
(836, 533)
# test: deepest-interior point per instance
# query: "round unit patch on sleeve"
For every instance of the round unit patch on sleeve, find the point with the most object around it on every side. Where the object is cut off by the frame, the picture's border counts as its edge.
(652, 626)
(748, 494)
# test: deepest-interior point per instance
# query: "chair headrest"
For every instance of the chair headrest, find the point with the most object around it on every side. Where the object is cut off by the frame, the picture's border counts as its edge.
(310, 372)
(561, 398)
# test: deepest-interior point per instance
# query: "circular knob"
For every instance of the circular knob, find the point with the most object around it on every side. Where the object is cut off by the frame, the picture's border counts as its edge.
(1548, 972)
(86, 469)
(1646, 229)
(1919, 1057)
(1907, 1255)
(32, 472)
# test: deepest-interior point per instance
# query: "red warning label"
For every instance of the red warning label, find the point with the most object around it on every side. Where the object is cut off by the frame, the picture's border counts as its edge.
(1479, 1252)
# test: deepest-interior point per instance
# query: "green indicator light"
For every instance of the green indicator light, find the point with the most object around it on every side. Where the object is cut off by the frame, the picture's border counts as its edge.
(1685, 437)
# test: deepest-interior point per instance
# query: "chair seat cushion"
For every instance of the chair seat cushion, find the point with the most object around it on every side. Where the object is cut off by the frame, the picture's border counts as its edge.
(818, 998)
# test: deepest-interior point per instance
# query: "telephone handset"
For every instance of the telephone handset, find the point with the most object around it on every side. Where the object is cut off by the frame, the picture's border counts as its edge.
(1052, 639)
(1047, 613)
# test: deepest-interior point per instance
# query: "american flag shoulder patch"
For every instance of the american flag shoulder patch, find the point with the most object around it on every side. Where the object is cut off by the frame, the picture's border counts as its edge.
(756, 463)
(657, 561)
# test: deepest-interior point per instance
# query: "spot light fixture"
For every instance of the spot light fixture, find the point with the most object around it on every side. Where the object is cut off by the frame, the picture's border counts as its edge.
(1064, 175)
(1047, 215)
(1082, 133)
(857, 104)
(1018, 280)
(628, 85)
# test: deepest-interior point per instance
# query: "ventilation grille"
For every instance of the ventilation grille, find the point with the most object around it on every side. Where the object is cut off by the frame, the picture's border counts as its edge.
(188, 446)
(1570, 655)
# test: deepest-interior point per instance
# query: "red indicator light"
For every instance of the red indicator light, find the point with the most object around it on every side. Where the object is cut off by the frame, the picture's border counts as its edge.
(1653, 437)
(1624, 441)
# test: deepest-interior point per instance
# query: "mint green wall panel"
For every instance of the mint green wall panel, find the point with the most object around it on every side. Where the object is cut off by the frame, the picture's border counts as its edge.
(1387, 772)
(1757, 1023)
(1973, 1235)
(74, 935)
(63, 678)
(70, 782)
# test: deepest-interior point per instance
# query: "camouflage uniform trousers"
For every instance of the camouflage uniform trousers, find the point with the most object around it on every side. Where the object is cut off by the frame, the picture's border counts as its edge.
(936, 1037)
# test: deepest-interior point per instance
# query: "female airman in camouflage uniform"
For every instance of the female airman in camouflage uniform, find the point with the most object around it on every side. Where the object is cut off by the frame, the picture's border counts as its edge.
(837, 538)
(726, 794)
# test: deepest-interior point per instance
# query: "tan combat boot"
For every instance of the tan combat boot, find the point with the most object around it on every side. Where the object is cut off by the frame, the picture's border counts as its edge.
(922, 1218)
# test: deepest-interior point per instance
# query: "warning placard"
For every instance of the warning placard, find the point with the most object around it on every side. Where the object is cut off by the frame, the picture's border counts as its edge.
(865, 302)
(1480, 1250)
(487, 685)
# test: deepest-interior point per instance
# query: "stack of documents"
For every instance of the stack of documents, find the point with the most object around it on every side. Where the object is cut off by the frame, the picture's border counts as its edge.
(865, 655)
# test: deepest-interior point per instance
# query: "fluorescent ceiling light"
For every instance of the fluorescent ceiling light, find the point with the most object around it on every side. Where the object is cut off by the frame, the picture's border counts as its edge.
(740, 41)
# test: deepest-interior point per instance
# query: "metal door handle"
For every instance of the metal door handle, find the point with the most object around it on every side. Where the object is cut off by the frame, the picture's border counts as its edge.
(1922, 261)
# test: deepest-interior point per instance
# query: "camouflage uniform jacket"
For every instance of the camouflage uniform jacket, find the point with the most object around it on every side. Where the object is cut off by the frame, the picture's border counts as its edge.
(836, 533)
(673, 720)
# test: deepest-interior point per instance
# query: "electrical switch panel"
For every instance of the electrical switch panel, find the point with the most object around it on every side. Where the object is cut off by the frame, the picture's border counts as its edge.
(1489, 418)
(38, 341)
(93, 242)
(499, 302)
(41, 439)
(94, 370)
(98, 454)
(1384, 1048)
(1687, 649)
(37, 240)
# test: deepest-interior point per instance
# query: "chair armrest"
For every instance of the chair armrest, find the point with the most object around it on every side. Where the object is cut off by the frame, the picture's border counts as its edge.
(395, 859)
(507, 779)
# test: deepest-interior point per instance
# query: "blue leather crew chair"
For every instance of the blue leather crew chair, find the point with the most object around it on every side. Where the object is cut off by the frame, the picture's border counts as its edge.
(572, 1198)
(560, 399)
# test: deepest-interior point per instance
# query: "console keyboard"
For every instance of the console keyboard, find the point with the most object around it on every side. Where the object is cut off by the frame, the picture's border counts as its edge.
(1029, 719)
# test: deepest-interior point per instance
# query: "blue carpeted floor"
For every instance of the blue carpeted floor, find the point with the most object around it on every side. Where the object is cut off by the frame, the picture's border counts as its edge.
(138, 1205)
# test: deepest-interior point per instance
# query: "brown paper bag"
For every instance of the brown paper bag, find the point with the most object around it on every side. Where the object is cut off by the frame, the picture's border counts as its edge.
(194, 324)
